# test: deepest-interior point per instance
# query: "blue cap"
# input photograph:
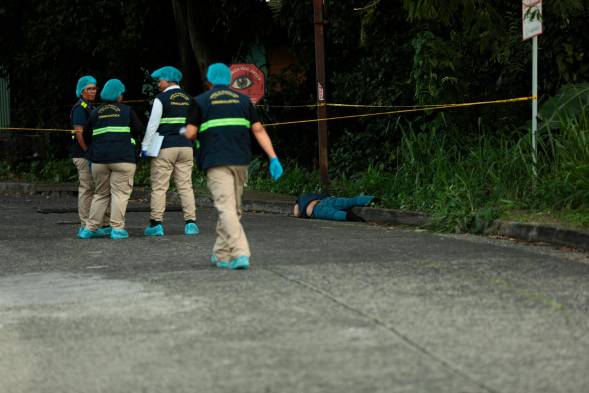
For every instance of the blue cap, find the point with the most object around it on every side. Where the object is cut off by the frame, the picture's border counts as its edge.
(112, 89)
(83, 83)
(219, 74)
(167, 73)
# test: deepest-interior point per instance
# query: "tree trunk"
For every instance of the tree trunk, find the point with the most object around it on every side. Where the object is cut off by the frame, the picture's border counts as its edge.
(194, 53)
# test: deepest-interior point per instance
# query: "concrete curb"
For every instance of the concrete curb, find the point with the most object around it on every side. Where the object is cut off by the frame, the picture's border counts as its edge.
(279, 204)
(391, 216)
(540, 233)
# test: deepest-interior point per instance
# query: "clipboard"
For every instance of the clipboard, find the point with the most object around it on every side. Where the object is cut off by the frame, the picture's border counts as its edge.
(155, 146)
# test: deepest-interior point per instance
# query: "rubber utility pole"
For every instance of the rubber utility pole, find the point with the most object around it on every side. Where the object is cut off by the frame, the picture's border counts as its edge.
(321, 107)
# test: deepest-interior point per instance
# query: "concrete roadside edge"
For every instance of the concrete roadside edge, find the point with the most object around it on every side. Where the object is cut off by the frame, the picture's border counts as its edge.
(540, 233)
(269, 203)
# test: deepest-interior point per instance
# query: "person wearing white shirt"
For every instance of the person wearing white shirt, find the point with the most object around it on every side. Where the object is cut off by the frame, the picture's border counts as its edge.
(175, 157)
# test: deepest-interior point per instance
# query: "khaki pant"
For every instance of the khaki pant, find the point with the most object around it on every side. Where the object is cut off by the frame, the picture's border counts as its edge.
(114, 183)
(179, 162)
(86, 192)
(226, 186)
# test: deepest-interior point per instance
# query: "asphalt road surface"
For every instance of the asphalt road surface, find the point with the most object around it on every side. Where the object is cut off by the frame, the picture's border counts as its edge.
(325, 307)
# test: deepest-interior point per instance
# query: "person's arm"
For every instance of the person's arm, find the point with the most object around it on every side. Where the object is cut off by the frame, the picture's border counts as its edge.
(263, 139)
(153, 123)
(193, 120)
(80, 118)
(80, 137)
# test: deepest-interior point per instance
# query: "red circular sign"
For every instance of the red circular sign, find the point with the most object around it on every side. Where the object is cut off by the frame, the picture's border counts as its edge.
(249, 80)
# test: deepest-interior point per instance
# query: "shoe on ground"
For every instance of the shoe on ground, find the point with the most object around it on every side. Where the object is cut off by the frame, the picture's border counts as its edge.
(119, 234)
(157, 230)
(375, 202)
(351, 216)
(85, 233)
(239, 263)
(104, 231)
(191, 229)
(218, 263)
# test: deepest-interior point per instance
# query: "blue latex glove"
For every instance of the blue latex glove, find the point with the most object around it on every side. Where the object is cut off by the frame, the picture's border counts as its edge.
(143, 153)
(275, 169)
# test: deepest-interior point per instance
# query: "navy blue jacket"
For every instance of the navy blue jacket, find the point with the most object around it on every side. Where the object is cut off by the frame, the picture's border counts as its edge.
(113, 127)
(175, 104)
(79, 116)
(224, 119)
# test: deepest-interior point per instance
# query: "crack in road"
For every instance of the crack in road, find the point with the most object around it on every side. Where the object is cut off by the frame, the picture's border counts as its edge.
(391, 329)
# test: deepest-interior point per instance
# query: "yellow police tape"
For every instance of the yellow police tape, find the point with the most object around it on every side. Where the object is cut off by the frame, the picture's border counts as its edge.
(421, 108)
(415, 109)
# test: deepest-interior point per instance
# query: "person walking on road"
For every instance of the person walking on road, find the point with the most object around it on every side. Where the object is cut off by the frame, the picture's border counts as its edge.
(78, 148)
(221, 120)
(112, 153)
(175, 156)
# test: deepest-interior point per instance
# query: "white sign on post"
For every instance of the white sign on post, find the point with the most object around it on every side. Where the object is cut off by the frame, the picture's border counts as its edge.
(532, 28)
(531, 18)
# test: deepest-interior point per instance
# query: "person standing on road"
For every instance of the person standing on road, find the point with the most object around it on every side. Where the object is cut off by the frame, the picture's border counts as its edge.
(113, 158)
(78, 148)
(221, 119)
(176, 156)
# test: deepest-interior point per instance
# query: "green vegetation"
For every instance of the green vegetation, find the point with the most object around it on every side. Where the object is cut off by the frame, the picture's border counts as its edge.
(463, 182)
(464, 167)
(466, 182)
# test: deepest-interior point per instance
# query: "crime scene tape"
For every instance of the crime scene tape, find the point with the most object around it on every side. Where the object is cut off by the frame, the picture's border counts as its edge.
(421, 108)
(412, 110)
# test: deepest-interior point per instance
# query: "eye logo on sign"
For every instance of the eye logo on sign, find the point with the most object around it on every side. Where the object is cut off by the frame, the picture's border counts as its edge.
(242, 83)
(249, 80)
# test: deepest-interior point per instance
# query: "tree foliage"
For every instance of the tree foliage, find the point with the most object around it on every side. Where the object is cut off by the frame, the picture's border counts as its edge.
(434, 51)
(379, 52)
(48, 45)
(217, 31)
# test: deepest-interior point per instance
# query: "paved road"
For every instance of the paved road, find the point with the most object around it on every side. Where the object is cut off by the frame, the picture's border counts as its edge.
(326, 307)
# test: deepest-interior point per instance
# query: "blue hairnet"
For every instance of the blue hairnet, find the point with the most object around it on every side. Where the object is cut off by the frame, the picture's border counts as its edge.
(167, 73)
(112, 89)
(83, 83)
(219, 74)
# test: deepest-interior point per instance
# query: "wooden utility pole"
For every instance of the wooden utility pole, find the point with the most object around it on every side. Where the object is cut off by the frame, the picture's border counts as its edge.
(321, 108)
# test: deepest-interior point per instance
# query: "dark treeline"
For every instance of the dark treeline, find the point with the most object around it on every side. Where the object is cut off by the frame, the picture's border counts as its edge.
(378, 52)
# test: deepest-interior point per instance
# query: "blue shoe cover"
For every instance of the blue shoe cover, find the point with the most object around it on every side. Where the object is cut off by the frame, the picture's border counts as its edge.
(157, 230)
(119, 234)
(218, 263)
(104, 232)
(242, 262)
(84, 233)
(191, 229)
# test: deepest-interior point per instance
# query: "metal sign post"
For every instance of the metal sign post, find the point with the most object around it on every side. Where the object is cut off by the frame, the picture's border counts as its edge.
(532, 28)
(321, 107)
(535, 104)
